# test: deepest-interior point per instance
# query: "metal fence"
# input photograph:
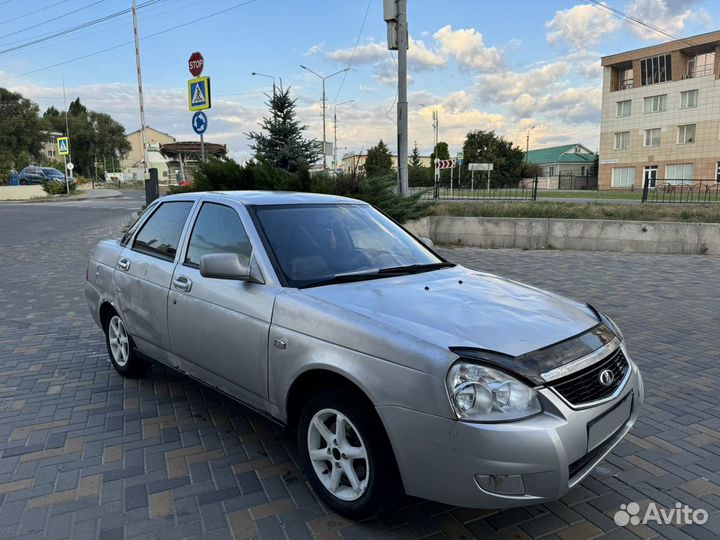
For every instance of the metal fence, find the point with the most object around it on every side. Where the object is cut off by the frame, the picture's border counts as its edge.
(512, 190)
(577, 182)
(682, 191)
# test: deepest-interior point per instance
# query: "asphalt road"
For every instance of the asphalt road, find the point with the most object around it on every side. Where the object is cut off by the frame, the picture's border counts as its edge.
(87, 454)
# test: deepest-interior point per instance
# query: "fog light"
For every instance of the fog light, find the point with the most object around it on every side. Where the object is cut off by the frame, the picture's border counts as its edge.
(503, 484)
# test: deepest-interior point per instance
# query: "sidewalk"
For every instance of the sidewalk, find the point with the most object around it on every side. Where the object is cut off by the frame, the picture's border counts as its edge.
(79, 195)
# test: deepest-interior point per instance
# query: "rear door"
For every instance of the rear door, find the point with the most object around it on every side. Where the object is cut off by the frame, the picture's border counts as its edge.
(143, 274)
(219, 327)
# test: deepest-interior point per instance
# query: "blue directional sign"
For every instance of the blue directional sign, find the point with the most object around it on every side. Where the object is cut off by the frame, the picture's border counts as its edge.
(199, 94)
(199, 122)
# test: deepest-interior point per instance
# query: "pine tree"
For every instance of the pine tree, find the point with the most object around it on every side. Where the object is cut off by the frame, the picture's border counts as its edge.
(379, 160)
(281, 142)
(415, 157)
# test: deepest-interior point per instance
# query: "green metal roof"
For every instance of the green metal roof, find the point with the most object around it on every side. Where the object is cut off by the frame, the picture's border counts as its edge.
(559, 154)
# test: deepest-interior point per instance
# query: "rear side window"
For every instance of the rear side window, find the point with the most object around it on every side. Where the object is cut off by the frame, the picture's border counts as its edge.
(218, 229)
(160, 234)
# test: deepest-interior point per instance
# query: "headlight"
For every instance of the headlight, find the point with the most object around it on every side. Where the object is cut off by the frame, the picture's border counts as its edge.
(607, 321)
(483, 394)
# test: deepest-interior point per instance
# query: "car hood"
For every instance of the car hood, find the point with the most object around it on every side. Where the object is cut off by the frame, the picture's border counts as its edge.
(458, 307)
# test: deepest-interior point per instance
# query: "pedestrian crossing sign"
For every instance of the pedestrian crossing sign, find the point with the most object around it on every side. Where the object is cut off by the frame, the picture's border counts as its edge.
(63, 146)
(199, 94)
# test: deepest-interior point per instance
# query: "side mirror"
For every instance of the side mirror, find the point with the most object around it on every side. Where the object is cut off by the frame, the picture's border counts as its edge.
(229, 266)
(425, 240)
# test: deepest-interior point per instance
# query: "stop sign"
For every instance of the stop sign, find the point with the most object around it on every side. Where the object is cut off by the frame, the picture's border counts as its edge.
(196, 64)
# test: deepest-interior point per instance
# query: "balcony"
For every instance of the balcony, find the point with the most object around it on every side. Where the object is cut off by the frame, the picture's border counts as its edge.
(624, 84)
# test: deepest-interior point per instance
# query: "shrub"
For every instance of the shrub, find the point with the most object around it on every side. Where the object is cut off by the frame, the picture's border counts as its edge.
(219, 174)
(57, 188)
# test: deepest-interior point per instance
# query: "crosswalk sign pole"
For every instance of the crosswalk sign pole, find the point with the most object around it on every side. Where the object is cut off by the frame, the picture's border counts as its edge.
(202, 147)
(67, 182)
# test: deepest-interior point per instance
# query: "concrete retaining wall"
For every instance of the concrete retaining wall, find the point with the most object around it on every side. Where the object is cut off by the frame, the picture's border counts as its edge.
(21, 193)
(583, 234)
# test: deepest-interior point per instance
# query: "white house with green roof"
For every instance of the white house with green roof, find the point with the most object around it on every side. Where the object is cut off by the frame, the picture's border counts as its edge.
(565, 160)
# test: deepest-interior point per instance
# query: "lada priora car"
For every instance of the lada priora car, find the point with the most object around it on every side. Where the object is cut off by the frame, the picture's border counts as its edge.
(399, 370)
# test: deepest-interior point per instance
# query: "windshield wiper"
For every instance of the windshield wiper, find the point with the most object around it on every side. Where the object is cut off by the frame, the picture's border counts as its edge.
(415, 268)
(346, 278)
(351, 277)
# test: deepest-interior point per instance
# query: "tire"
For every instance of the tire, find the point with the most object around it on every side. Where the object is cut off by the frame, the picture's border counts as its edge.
(121, 348)
(376, 484)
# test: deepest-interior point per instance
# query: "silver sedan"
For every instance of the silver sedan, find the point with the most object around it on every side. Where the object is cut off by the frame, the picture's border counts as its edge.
(400, 371)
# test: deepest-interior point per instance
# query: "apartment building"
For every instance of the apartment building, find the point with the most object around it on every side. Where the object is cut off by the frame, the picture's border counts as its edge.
(661, 114)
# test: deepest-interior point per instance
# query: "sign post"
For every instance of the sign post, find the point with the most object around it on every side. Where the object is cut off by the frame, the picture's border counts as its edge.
(63, 144)
(199, 124)
(70, 168)
(199, 98)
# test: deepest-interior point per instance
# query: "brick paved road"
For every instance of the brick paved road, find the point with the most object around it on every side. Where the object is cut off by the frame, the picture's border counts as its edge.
(86, 454)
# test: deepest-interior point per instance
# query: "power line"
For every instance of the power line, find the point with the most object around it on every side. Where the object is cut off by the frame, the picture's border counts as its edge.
(75, 28)
(108, 49)
(636, 21)
(34, 11)
(352, 56)
(52, 19)
(101, 28)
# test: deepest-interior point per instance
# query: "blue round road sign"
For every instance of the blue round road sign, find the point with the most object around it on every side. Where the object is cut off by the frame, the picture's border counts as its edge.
(199, 122)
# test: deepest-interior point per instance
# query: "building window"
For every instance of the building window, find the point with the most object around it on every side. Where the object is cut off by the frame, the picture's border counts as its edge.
(700, 65)
(624, 108)
(689, 99)
(622, 140)
(623, 177)
(652, 137)
(686, 134)
(678, 174)
(654, 104)
(655, 70)
(551, 171)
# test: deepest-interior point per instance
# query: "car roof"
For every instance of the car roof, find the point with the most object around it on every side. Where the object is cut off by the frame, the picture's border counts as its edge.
(264, 198)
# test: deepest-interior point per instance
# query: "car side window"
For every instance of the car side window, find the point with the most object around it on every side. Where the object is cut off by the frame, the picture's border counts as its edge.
(217, 229)
(160, 234)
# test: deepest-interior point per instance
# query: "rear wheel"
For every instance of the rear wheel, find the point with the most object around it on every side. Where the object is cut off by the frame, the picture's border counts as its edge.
(121, 349)
(346, 455)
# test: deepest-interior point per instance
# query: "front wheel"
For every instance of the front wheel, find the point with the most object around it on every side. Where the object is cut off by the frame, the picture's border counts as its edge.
(346, 454)
(120, 348)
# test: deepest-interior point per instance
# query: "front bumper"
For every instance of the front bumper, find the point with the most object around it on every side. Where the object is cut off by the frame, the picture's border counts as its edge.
(439, 457)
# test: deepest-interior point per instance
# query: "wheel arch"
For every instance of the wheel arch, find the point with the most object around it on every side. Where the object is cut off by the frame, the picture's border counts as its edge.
(317, 378)
(105, 311)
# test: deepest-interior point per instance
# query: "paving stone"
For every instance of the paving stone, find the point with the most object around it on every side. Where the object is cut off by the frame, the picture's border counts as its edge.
(164, 457)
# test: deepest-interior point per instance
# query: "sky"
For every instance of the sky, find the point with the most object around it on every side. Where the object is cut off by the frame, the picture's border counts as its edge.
(482, 64)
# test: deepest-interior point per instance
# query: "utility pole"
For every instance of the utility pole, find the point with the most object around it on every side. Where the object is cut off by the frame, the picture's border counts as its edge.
(67, 134)
(143, 135)
(324, 105)
(395, 15)
(402, 105)
(335, 129)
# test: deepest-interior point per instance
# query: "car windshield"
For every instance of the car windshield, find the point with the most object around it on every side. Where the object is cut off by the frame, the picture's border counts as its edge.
(52, 172)
(332, 243)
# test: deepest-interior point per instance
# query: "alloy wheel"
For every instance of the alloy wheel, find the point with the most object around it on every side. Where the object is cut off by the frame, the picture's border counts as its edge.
(119, 341)
(338, 454)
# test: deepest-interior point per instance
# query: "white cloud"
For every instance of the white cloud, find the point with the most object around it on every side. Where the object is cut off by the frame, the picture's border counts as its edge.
(420, 56)
(581, 26)
(671, 16)
(467, 46)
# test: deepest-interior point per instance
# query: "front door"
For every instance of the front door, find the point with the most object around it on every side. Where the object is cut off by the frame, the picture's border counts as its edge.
(651, 176)
(219, 327)
(143, 274)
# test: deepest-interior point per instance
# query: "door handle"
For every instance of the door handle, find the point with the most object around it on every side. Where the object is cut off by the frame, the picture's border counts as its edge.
(182, 283)
(124, 264)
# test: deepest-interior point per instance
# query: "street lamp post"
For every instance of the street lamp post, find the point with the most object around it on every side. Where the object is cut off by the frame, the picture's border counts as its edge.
(324, 105)
(268, 76)
(335, 130)
(527, 143)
